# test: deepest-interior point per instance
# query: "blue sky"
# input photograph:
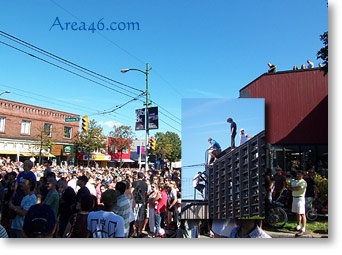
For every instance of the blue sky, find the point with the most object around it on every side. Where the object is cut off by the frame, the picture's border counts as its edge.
(204, 118)
(196, 49)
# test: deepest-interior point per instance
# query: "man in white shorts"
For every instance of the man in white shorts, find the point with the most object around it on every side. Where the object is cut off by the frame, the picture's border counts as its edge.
(298, 188)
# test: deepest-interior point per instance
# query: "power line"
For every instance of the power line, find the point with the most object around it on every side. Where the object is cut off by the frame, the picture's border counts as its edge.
(117, 107)
(34, 56)
(169, 117)
(119, 47)
(87, 79)
(54, 99)
(168, 83)
(166, 110)
(194, 165)
(170, 125)
(109, 40)
(67, 62)
(41, 100)
(43, 96)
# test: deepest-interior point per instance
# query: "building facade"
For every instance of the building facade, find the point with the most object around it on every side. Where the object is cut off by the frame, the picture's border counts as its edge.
(25, 128)
(118, 156)
(296, 115)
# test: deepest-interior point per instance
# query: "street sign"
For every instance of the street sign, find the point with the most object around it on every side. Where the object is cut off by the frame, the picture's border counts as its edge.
(72, 119)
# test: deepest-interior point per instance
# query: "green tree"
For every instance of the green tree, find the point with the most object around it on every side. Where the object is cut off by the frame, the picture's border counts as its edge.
(323, 53)
(93, 140)
(122, 137)
(46, 142)
(169, 145)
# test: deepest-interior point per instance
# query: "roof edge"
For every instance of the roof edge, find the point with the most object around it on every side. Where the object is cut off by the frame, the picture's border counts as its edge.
(281, 72)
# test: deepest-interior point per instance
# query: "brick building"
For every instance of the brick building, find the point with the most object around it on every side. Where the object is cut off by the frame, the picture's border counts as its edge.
(21, 125)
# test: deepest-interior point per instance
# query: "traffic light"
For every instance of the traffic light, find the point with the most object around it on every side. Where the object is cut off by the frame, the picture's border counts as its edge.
(153, 143)
(84, 124)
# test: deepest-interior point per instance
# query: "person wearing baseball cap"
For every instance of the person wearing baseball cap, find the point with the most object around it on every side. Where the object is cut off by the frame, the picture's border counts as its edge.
(243, 136)
(39, 222)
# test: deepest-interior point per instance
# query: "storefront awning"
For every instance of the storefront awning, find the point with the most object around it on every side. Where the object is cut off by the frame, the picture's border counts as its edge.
(123, 160)
(27, 154)
(48, 155)
(9, 152)
(97, 157)
(30, 154)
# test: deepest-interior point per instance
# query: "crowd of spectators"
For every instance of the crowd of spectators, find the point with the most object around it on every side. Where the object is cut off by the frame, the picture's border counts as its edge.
(87, 201)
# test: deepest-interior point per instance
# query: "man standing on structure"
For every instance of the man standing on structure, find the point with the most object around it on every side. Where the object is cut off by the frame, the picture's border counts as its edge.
(232, 132)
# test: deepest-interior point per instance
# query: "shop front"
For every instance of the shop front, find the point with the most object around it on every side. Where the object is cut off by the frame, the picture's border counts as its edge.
(65, 154)
(303, 157)
(22, 150)
(94, 159)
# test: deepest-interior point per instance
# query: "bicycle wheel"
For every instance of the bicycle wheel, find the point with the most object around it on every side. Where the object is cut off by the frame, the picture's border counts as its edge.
(311, 214)
(276, 217)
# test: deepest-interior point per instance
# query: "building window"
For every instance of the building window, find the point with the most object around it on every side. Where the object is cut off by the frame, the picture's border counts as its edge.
(2, 124)
(47, 129)
(124, 151)
(67, 132)
(25, 127)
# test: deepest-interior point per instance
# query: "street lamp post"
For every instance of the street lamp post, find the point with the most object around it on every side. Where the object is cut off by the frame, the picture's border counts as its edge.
(146, 106)
(5, 92)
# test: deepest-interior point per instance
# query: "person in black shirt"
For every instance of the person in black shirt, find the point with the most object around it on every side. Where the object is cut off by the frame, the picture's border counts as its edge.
(82, 181)
(311, 189)
(232, 132)
(66, 204)
(140, 195)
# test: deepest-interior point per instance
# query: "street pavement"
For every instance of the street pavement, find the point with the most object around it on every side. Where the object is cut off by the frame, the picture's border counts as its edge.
(293, 235)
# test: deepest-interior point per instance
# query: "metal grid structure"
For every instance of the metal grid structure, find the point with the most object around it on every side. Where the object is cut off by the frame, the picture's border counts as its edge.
(236, 181)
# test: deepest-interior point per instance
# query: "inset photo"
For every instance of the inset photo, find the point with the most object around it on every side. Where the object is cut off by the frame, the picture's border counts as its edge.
(223, 158)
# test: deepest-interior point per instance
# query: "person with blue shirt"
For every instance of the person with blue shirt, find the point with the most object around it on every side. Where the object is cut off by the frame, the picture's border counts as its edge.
(213, 150)
(27, 173)
(27, 186)
(243, 136)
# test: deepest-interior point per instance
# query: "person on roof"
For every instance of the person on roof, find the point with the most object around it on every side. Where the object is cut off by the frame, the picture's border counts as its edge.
(272, 68)
(213, 150)
(243, 136)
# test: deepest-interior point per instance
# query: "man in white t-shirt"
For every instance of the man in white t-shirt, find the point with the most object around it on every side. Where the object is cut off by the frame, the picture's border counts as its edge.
(298, 188)
(105, 223)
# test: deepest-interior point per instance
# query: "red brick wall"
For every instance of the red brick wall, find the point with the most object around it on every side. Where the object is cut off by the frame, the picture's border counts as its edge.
(16, 112)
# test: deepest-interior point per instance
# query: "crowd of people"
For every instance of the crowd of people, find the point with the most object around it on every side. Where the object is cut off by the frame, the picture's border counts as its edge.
(80, 202)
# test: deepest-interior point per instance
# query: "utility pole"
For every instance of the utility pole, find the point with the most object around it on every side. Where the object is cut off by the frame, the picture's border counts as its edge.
(147, 92)
(146, 115)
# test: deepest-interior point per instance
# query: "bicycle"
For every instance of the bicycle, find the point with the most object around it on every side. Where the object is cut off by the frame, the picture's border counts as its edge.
(276, 214)
(320, 210)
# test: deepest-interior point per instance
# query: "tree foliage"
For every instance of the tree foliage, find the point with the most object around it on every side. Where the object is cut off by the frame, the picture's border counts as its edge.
(169, 145)
(93, 140)
(122, 137)
(323, 53)
(322, 185)
(45, 143)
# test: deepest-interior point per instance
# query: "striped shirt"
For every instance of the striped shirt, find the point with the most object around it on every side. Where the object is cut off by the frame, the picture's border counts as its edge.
(123, 208)
(3, 233)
